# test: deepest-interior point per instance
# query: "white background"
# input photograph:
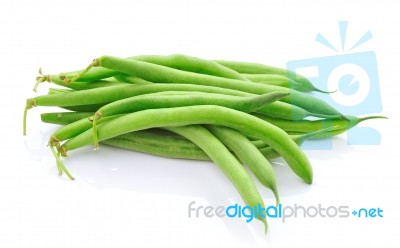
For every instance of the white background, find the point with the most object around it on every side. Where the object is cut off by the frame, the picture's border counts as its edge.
(126, 199)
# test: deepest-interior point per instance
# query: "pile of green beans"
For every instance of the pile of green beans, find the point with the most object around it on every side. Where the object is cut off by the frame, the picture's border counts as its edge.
(178, 106)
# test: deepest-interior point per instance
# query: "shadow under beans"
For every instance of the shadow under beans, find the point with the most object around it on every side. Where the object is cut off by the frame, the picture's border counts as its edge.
(132, 171)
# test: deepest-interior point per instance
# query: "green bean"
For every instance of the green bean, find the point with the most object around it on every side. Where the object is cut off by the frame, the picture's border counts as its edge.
(159, 137)
(253, 68)
(161, 74)
(93, 75)
(96, 79)
(164, 150)
(226, 162)
(273, 79)
(63, 118)
(84, 108)
(205, 114)
(191, 64)
(131, 104)
(128, 105)
(287, 111)
(161, 147)
(248, 154)
(129, 79)
(340, 128)
(307, 126)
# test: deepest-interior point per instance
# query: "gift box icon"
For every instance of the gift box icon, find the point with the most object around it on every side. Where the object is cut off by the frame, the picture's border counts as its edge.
(354, 76)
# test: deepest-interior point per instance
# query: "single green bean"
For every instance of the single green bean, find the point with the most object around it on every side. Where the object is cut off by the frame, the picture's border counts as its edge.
(129, 79)
(84, 108)
(95, 74)
(95, 78)
(353, 121)
(191, 64)
(308, 126)
(135, 103)
(63, 118)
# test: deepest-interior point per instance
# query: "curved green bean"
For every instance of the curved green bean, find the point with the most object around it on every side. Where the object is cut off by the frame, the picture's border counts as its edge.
(63, 118)
(308, 126)
(191, 64)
